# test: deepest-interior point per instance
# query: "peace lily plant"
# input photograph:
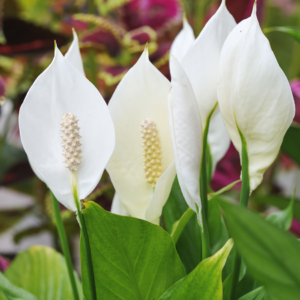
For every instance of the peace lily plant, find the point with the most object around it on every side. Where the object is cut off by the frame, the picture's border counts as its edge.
(142, 167)
(225, 85)
(256, 103)
(66, 130)
(196, 120)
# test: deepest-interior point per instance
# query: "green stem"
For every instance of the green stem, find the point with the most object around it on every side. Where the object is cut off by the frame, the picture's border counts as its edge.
(244, 197)
(64, 245)
(86, 242)
(203, 190)
(205, 238)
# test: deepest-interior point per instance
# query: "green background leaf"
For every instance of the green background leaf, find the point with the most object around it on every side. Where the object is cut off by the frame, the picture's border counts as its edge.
(258, 294)
(8, 291)
(132, 258)
(43, 272)
(283, 219)
(205, 282)
(272, 255)
(189, 243)
(291, 145)
(294, 32)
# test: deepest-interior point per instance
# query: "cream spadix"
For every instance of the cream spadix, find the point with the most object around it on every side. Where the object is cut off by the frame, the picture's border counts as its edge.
(254, 95)
(66, 130)
(142, 166)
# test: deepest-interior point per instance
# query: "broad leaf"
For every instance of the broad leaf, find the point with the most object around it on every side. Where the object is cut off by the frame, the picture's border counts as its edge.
(132, 258)
(290, 144)
(283, 219)
(205, 282)
(258, 294)
(43, 272)
(12, 292)
(189, 243)
(272, 255)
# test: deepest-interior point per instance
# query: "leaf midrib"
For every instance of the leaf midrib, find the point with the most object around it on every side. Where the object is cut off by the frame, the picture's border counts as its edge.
(129, 266)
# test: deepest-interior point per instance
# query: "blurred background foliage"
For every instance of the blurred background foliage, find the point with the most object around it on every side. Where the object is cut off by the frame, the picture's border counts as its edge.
(112, 35)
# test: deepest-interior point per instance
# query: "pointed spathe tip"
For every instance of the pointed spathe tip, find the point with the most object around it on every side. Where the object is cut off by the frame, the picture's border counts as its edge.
(254, 7)
(184, 19)
(74, 34)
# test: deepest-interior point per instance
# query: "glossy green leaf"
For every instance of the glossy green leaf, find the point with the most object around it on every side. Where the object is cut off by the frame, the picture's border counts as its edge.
(205, 282)
(291, 145)
(179, 225)
(12, 292)
(189, 243)
(132, 258)
(246, 282)
(294, 32)
(41, 271)
(272, 255)
(283, 219)
(258, 294)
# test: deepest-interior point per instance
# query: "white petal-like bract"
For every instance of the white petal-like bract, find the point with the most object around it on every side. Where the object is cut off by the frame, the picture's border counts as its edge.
(73, 55)
(186, 133)
(61, 89)
(142, 94)
(254, 96)
(183, 41)
(117, 207)
(201, 62)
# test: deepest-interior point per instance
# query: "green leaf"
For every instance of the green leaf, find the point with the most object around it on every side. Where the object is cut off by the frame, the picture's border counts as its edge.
(179, 225)
(189, 243)
(277, 201)
(132, 258)
(205, 282)
(41, 271)
(294, 32)
(283, 219)
(290, 144)
(13, 292)
(258, 294)
(223, 190)
(272, 255)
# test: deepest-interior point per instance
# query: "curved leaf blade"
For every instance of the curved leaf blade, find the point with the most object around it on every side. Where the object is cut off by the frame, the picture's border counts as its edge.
(205, 282)
(132, 258)
(272, 255)
(283, 219)
(43, 272)
(13, 292)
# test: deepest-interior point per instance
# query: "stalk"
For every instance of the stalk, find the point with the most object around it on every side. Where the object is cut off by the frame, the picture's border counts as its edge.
(64, 245)
(85, 239)
(203, 191)
(244, 197)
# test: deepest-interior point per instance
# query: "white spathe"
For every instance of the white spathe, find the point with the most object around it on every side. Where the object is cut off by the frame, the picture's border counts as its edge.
(73, 54)
(142, 94)
(200, 61)
(183, 41)
(186, 133)
(254, 96)
(117, 207)
(61, 89)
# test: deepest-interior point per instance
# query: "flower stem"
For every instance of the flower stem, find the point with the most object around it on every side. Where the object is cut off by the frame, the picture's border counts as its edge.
(203, 190)
(64, 245)
(244, 197)
(86, 242)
